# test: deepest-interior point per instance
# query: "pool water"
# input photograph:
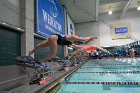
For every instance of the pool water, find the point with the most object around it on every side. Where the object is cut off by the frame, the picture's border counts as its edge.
(97, 76)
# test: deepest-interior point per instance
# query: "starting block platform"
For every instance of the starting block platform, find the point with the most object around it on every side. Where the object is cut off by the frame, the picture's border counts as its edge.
(40, 74)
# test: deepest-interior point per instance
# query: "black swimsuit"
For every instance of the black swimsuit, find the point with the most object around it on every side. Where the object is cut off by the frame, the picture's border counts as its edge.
(62, 40)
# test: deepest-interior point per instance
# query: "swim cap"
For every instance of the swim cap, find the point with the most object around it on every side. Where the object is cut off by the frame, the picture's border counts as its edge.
(90, 48)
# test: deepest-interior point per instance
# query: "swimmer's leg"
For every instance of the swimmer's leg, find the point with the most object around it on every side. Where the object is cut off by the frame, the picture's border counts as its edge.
(53, 49)
(41, 45)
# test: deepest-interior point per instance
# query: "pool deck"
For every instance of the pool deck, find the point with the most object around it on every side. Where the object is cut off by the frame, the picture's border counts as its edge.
(22, 86)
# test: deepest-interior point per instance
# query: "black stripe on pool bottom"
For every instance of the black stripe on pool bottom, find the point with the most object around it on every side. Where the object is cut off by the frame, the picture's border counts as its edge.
(116, 72)
(104, 83)
(107, 64)
(112, 67)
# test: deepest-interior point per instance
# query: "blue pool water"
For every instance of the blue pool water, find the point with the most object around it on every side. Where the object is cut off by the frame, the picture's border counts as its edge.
(101, 72)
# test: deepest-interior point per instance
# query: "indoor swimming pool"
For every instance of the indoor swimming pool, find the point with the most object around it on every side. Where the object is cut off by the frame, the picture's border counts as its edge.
(104, 76)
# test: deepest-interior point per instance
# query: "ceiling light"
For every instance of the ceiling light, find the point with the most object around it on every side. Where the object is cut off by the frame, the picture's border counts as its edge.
(138, 8)
(3, 23)
(110, 12)
(18, 28)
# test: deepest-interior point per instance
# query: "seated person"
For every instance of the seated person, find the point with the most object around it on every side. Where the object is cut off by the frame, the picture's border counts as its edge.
(132, 52)
(126, 53)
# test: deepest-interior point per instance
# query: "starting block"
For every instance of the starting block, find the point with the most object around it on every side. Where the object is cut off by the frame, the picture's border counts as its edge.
(45, 80)
(64, 63)
(40, 71)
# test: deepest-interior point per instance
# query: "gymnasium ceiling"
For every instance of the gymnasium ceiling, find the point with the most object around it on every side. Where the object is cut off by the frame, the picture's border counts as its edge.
(82, 11)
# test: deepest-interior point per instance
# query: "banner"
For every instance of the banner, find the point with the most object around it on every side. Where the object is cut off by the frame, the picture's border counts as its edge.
(49, 17)
(71, 29)
(121, 31)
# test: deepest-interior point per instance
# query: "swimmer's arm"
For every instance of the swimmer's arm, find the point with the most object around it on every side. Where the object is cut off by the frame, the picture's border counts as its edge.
(74, 53)
(76, 46)
(102, 49)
